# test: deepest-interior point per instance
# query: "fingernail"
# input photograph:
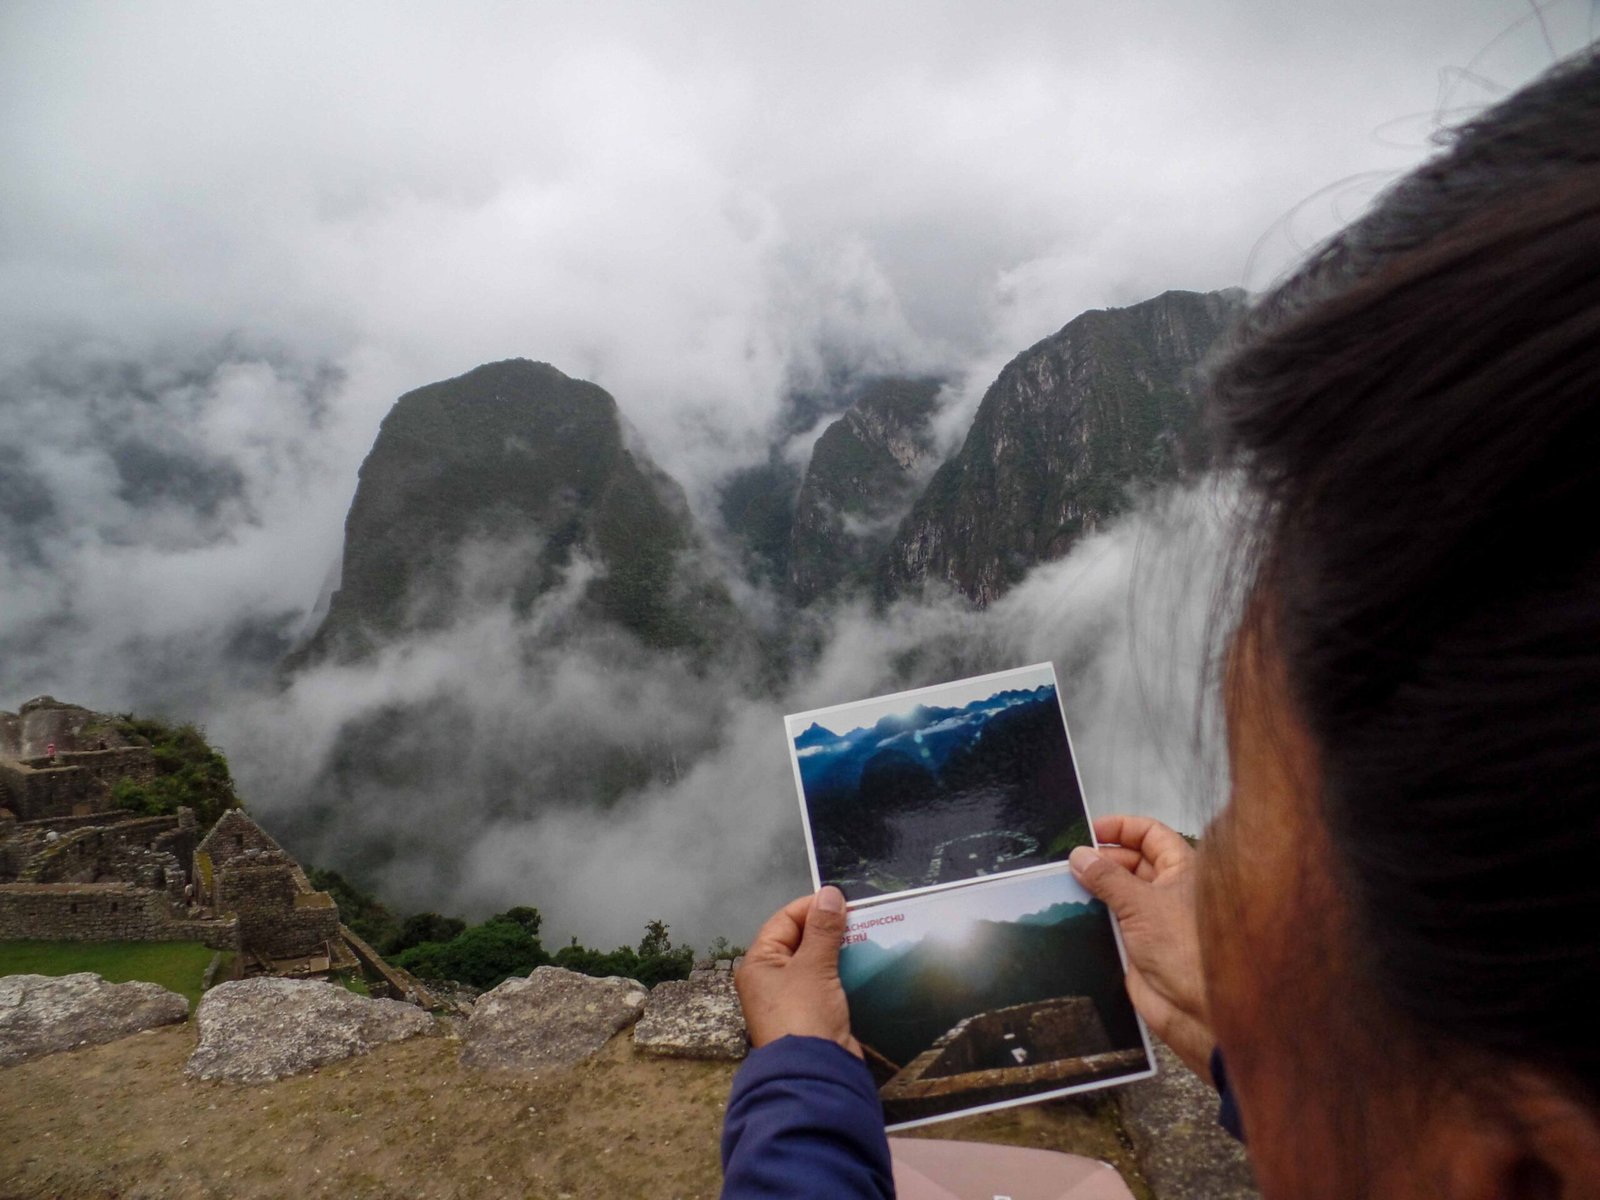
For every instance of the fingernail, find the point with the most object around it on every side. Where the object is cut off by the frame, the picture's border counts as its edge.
(830, 900)
(1081, 859)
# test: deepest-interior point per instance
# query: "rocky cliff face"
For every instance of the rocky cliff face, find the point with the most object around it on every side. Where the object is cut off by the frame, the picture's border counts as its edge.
(860, 482)
(488, 487)
(1108, 402)
(756, 505)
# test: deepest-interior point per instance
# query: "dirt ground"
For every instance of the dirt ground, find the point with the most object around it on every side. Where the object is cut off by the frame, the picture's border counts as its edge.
(407, 1120)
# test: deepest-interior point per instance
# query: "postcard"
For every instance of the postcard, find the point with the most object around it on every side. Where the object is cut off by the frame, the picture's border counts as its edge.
(922, 789)
(994, 994)
(979, 972)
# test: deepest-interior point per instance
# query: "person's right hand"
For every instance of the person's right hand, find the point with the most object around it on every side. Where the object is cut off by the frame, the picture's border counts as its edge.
(789, 980)
(1144, 872)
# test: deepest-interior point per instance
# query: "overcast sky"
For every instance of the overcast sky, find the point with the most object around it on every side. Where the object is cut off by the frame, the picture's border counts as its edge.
(950, 914)
(862, 714)
(234, 233)
(231, 234)
(678, 199)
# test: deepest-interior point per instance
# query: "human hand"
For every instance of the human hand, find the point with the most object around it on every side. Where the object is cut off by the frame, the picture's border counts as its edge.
(789, 980)
(1144, 872)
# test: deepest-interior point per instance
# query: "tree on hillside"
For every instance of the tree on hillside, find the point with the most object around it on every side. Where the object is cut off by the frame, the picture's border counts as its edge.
(655, 960)
(481, 955)
(424, 927)
(722, 948)
(528, 918)
(189, 772)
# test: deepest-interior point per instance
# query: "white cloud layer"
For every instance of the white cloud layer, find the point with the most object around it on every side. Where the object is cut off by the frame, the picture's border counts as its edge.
(488, 799)
(231, 235)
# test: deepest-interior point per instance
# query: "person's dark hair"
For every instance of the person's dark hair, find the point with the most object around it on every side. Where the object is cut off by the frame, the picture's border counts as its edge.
(1416, 417)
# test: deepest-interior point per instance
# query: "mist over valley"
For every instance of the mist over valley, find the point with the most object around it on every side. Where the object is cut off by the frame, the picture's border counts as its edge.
(540, 675)
(489, 438)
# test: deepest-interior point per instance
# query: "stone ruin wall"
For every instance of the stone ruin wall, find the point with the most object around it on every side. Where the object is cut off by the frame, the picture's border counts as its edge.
(67, 824)
(384, 978)
(112, 876)
(28, 731)
(104, 912)
(108, 766)
(35, 793)
(152, 852)
(234, 836)
(72, 783)
(276, 918)
(17, 851)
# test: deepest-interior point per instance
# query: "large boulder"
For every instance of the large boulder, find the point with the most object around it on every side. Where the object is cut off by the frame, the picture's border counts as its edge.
(41, 1014)
(698, 1017)
(256, 1030)
(553, 1018)
(1181, 1150)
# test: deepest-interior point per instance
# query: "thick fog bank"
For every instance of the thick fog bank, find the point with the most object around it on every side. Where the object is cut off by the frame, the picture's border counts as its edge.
(210, 305)
(488, 764)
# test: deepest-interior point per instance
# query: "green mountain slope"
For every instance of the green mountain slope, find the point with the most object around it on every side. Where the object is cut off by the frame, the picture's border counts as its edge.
(1107, 402)
(860, 482)
(532, 468)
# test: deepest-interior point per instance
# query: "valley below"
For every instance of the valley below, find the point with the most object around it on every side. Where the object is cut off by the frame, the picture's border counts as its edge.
(544, 671)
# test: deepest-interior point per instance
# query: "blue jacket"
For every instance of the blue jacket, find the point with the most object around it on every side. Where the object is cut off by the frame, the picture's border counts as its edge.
(804, 1122)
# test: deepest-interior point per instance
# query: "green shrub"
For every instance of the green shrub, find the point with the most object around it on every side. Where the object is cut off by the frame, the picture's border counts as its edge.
(189, 772)
(482, 955)
(423, 927)
(433, 946)
(722, 948)
(655, 961)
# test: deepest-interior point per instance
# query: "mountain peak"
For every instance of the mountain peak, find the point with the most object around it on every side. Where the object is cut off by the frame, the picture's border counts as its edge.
(860, 482)
(517, 371)
(1108, 402)
(519, 455)
(814, 735)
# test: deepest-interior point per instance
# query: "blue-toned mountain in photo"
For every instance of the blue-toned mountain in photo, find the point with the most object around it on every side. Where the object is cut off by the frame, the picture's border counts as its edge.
(904, 998)
(941, 794)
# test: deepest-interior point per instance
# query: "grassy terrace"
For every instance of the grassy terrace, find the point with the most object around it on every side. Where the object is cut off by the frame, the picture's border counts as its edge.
(175, 965)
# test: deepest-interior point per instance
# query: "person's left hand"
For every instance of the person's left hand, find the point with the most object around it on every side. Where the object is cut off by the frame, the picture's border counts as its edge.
(789, 980)
(1146, 877)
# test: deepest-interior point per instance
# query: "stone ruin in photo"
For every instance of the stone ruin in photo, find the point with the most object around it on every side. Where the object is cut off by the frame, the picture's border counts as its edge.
(1003, 1054)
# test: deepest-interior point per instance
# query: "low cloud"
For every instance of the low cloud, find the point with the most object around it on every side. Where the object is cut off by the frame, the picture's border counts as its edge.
(233, 235)
(489, 764)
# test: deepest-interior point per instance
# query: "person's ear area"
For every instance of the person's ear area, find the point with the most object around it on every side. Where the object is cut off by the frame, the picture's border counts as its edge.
(1523, 1137)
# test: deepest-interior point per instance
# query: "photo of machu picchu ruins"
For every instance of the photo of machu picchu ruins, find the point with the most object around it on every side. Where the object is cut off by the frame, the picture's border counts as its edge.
(995, 993)
(935, 786)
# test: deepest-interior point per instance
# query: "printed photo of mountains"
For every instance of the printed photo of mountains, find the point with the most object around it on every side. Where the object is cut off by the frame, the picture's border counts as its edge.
(945, 784)
(989, 994)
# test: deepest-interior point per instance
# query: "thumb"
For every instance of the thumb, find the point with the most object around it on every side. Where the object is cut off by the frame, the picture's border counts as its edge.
(824, 931)
(1105, 880)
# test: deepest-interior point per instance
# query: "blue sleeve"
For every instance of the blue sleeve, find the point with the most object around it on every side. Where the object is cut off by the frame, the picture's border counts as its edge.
(1228, 1115)
(803, 1122)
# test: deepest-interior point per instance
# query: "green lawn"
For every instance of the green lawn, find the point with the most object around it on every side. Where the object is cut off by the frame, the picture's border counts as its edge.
(175, 965)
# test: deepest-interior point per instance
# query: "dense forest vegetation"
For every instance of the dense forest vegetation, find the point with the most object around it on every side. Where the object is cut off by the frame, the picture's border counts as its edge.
(436, 947)
(189, 772)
